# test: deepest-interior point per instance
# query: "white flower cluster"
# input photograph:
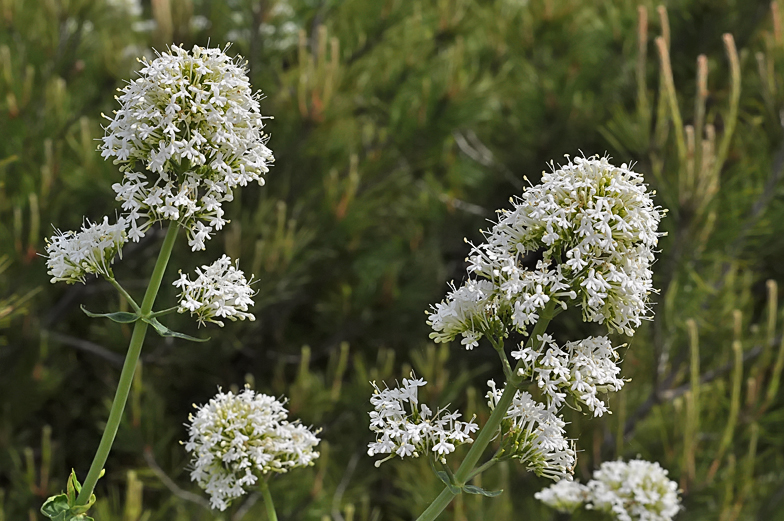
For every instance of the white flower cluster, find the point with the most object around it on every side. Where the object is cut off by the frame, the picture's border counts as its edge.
(468, 312)
(237, 439)
(188, 132)
(404, 427)
(71, 256)
(580, 369)
(595, 225)
(219, 291)
(635, 491)
(564, 496)
(535, 435)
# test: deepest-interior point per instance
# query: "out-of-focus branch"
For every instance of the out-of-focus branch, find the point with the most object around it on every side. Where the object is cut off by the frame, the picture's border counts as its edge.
(170, 484)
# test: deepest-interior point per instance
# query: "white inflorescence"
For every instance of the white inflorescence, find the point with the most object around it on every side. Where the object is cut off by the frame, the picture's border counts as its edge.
(564, 496)
(237, 439)
(535, 435)
(404, 427)
(635, 491)
(71, 256)
(188, 132)
(579, 369)
(596, 227)
(219, 291)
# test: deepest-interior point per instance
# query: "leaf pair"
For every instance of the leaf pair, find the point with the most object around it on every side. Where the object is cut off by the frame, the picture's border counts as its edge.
(125, 317)
(448, 479)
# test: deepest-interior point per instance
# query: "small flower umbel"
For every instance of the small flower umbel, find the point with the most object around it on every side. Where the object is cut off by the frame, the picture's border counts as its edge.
(404, 427)
(71, 256)
(564, 496)
(189, 131)
(219, 291)
(237, 440)
(579, 369)
(637, 490)
(534, 435)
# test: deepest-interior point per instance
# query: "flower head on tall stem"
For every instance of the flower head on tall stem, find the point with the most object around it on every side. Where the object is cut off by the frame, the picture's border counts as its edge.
(534, 435)
(581, 369)
(237, 439)
(71, 256)
(405, 427)
(219, 291)
(188, 132)
(595, 227)
(637, 490)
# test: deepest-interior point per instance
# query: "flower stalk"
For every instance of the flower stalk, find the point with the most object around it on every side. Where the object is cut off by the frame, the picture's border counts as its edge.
(129, 367)
(268, 504)
(489, 430)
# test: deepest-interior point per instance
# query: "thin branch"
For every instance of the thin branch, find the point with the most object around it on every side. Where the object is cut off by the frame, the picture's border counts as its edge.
(170, 484)
(90, 347)
(470, 144)
(341, 488)
(657, 397)
(246, 506)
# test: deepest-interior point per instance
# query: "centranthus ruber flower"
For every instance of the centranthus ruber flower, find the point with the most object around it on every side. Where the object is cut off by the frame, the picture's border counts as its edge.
(188, 132)
(405, 427)
(534, 435)
(581, 369)
(637, 490)
(219, 291)
(71, 256)
(595, 226)
(237, 439)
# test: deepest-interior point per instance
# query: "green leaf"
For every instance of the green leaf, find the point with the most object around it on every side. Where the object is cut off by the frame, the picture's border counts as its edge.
(56, 507)
(166, 332)
(473, 489)
(63, 507)
(121, 317)
(443, 476)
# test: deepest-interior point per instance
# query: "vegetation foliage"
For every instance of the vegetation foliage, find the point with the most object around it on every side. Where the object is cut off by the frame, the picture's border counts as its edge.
(399, 127)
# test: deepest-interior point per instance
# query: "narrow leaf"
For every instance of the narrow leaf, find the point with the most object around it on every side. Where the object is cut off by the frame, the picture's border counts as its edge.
(443, 476)
(166, 332)
(473, 489)
(121, 317)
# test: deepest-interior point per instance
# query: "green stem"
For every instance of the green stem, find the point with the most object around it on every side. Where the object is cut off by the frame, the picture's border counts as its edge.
(268, 504)
(489, 430)
(163, 312)
(124, 293)
(129, 367)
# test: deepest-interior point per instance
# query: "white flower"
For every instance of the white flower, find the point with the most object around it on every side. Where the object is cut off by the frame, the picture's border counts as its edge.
(219, 291)
(595, 226)
(71, 256)
(535, 435)
(237, 439)
(403, 427)
(635, 491)
(582, 369)
(466, 311)
(564, 496)
(188, 132)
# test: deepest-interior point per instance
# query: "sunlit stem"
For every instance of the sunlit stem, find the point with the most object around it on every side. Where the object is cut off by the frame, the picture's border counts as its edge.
(268, 504)
(129, 367)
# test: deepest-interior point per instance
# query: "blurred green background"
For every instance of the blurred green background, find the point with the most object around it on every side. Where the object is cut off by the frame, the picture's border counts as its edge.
(400, 126)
